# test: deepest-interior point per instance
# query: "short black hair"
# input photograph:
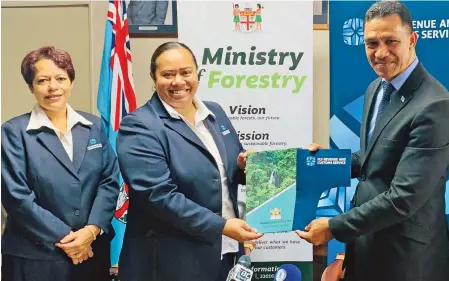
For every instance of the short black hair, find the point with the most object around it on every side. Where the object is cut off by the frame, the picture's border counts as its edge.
(386, 8)
(165, 47)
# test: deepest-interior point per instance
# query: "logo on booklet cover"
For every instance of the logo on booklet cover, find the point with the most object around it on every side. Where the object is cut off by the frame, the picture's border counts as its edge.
(275, 214)
(310, 161)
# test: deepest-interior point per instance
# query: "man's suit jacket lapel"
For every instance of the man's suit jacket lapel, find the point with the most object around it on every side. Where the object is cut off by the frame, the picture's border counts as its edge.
(399, 100)
(371, 93)
(51, 142)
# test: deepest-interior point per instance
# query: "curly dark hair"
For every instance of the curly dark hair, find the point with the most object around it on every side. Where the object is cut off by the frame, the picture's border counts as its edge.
(61, 58)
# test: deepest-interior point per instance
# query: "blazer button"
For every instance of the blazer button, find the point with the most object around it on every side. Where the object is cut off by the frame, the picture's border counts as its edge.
(77, 212)
(363, 177)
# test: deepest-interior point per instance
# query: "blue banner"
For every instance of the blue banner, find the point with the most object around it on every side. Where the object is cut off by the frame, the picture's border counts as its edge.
(350, 75)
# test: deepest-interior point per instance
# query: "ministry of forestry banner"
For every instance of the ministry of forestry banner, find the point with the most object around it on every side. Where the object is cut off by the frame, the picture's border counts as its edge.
(255, 60)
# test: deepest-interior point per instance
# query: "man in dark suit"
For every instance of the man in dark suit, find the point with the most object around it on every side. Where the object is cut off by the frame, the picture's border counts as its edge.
(396, 229)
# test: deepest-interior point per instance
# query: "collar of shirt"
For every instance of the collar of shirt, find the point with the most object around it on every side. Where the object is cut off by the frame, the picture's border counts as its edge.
(40, 119)
(201, 110)
(399, 80)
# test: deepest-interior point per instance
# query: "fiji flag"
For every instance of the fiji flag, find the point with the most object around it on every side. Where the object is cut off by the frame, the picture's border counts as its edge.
(115, 99)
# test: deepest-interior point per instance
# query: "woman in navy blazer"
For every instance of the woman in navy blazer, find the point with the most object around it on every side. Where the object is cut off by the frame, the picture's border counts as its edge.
(182, 161)
(59, 182)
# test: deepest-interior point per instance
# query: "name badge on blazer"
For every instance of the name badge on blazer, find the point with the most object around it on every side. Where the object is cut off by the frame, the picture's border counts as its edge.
(224, 131)
(93, 144)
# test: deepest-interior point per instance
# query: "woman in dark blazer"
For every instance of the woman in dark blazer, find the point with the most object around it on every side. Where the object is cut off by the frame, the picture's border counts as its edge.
(182, 161)
(59, 182)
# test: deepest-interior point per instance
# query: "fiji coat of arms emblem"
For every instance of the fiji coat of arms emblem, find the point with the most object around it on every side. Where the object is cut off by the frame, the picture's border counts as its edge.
(247, 19)
(275, 214)
(121, 210)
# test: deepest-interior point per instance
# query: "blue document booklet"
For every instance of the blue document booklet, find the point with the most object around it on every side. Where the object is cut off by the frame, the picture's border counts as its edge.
(283, 187)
